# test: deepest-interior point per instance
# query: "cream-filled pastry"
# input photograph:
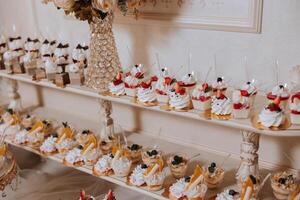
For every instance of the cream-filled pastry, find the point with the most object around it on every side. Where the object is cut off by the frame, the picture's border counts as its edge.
(48, 147)
(213, 175)
(117, 86)
(137, 177)
(21, 136)
(188, 81)
(47, 49)
(155, 175)
(201, 97)
(65, 140)
(120, 163)
(133, 79)
(228, 195)
(162, 86)
(146, 94)
(61, 56)
(283, 184)
(103, 166)
(241, 105)
(282, 92)
(179, 98)
(189, 187)
(38, 132)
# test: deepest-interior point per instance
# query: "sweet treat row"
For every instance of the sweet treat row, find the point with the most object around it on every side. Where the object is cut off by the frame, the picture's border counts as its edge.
(141, 167)
(43, 60)
(185, 94)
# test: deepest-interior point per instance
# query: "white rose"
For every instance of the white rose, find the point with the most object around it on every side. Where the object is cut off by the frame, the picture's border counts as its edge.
(103, 5)
(64, 4)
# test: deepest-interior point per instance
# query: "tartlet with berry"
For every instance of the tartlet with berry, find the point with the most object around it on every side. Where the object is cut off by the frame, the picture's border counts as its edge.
(283, 184)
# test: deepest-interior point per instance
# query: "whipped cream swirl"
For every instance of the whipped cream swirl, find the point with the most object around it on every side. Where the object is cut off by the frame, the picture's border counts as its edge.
(104, 164)
(131, 81)
(178, 101)
(121, 165)
(66, 144)
(270, 118)
(74, 156)
(48, 145)
(221, 106)
(117, 89)
(188, 79)
(137, 177)
(281, 91)
(146, 94)
(21, 137)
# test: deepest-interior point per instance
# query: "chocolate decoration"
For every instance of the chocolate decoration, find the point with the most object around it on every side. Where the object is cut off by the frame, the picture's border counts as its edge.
(82, 47)
(14, 38)
(62, 46)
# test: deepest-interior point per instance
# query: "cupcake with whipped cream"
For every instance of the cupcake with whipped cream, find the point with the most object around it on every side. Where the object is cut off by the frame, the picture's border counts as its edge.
(189, 187)
(120, 164)
(221, 107)
(103, 166)
(213, 175)
(137, 177)
(241, 105)
(117, 86)
(188, 82)
(65, 140)
(133, 79)
(179, 99)
(283, 184)
(151, 155)
(228, 195)
(163, 85)
(280, 91)
(135, 153)
(48, 147)
(28, 121)
(295, 108)
(3, 49)
(201, 97)
(38, 132)
(178, 165)
(272, 116)
(146, 94)
(74, 157)
(155, 176)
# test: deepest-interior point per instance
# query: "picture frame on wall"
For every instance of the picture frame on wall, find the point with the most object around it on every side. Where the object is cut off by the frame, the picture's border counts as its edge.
(220, 15)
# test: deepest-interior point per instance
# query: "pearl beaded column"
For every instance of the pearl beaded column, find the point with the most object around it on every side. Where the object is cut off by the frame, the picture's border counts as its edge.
(103, 66)
(249, 156)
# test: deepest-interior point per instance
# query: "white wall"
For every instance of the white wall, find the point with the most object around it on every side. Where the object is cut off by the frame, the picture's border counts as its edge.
(279, 39)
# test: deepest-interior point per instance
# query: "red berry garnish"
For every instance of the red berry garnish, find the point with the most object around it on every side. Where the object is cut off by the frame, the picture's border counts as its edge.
(244, 93)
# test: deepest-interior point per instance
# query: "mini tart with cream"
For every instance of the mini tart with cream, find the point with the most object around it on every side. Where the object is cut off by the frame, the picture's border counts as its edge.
(272, 116)
(189, 187)
(150, 156)
(201, 97)
(250, 188)
(155, 175)
(103, 166)
(120, 164)
(279, 91)
(146, 94)
(137, 177)
(106, 145)
(295, 195)
(117, 86)
(283, 184)
(228, 195)
(178, 165)
(188, 81)
(249, 90)
(133, 79)
(28, 121)
(65, 140)
(163, 85)
(38, 132)
(179, 99)
(48, 146)
(135, 153)
(295, 108)
(213, 175)
(86, 154)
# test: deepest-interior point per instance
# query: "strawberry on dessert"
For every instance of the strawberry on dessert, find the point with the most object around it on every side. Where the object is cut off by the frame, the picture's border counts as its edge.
(201, 97)
(117, 86)
(295, 108)
(188, 81)
(132, 80)
(249, 90)
(179, 98)
(241, 105)
(272, 116)
(221, 107)
(163, 85)
(146, 94)
(282, 92)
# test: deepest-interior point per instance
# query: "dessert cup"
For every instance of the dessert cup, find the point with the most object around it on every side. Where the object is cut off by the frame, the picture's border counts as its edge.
(107, 145)
(103, 166)
(135, 153)
(283, 184)
(150, 156)
(131, 92)
(178, 164)
(202, 105)
(213, 176)
(121, 166)
(243, 113)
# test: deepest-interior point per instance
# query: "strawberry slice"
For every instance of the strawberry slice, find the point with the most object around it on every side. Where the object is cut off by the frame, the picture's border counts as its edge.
(128, 74)
(145, 85)
(238, 106)
(154, 78)
(244, 93)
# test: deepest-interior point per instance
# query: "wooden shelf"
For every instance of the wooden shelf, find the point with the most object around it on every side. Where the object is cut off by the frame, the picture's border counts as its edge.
(168, 148)
(240, 124)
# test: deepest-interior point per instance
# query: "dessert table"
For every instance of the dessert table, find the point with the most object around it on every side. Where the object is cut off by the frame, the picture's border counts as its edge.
(236, 169)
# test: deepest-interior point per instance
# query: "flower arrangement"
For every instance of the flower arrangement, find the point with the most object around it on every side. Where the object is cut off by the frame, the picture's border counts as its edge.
(85, 10)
